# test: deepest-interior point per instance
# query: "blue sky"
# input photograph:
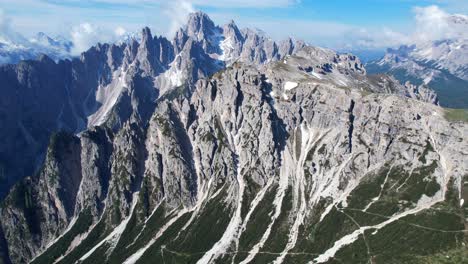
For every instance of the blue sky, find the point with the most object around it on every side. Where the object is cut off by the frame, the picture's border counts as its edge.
(333, 23)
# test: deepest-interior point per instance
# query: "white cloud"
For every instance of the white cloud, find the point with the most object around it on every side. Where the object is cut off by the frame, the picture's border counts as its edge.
(7, 33)
(430, 23)
(178, 12)
(4, 21)
(86, 35)
(433, 23)
(120, 31)
(380, 38)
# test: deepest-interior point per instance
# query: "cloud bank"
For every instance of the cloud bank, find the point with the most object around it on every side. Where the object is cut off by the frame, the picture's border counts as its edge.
(85, 35)
(433, 23)
(7, 33)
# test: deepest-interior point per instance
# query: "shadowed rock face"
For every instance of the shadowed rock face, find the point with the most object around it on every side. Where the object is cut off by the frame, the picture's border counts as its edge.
(109, 84)
(177, 152)
(41, 97)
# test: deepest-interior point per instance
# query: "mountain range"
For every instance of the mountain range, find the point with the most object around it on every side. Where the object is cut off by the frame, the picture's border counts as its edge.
(224, 146)
(14, 47)
(441, 64)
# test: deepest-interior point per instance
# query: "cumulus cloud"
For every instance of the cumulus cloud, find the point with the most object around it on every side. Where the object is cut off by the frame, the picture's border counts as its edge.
(4, 21)
(433, 23)
(430, 23)
(178, 12)
(120, 31)
(362, 38)
(7, 33)
(86, 35)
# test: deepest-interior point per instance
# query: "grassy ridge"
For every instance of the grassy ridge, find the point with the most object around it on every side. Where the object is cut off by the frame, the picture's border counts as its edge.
(456, 115)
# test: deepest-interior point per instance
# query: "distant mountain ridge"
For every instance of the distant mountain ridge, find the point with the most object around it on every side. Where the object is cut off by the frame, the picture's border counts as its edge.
(16, 48)
(440, 64)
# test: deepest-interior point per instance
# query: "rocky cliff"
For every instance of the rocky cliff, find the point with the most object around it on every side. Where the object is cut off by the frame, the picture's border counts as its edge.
(302, 158)
(113, 83)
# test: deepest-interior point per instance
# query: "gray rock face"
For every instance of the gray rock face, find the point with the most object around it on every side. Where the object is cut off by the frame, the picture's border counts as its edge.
(422, 93)
(389, 84)
(41, 207)
(202, 29)
(229, 44)
(110, 84)
(234, 41)
(181, 159)
(97, 148)
(235, 138)
(29, 90)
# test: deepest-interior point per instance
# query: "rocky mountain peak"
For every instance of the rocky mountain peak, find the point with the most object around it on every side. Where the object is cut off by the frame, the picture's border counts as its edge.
(231, 24)
(200, 26)
(146, 36)
(41, 37)
(231, 30)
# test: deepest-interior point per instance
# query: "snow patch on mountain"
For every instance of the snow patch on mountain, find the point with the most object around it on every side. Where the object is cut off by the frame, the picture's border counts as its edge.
(108, 97)
(14, 47)
(227, 48)
(290, 85)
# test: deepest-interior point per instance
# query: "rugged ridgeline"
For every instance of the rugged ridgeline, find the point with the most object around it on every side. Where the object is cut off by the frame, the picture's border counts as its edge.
(408, 64)
(14, 47)
(285, 159)
(111, 84)
(442, 65)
